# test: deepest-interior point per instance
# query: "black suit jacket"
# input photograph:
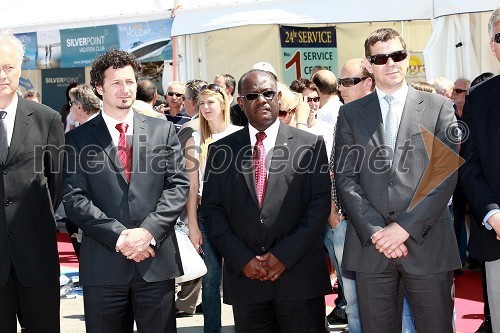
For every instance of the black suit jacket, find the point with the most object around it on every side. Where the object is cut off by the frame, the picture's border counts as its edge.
(29, 194)
(480, 175)
(98, 199)
(289, 224)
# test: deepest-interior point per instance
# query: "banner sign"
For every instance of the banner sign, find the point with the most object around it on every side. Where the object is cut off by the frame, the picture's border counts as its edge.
(69, 48)
(303, 48)
(30, 49)
(80, 46)
(55, 82)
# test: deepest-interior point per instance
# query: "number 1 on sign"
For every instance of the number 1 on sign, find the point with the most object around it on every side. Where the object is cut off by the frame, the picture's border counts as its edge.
(295, 61)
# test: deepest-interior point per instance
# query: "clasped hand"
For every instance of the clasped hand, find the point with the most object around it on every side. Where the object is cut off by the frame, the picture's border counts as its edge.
(390, 241)
(135, 244)
(264, 268)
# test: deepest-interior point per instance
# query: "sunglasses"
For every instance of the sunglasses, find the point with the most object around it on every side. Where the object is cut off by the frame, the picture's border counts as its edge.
(269, 95)
(497, 38)
(350, 81)
(212, 87)
(382, 59)
(171, 93)
(312, 99)
(71, 103)
(283, 114)
(459, 91)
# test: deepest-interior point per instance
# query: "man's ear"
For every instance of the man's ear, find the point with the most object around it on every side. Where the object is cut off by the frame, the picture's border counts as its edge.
(240, 102)
(368, 65)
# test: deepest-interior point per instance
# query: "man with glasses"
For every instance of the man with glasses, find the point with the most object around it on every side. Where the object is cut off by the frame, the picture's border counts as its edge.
(354, 80)
(275, 273)
(479, 176)
(175, 98)
(458, 95)
(400, 232)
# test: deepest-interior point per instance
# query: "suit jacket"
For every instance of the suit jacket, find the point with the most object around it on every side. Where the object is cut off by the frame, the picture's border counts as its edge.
(30, 192)
(98, 199)
(374, 196)
(289, 224)
(479, 175)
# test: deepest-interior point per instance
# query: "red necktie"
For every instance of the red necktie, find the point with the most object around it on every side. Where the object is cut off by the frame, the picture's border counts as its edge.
(259, 164)
(124, 150)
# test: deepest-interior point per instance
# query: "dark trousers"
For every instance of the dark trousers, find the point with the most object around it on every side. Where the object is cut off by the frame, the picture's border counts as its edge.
(290, 316)
(380, 296)
(107, 307)
(39, 306)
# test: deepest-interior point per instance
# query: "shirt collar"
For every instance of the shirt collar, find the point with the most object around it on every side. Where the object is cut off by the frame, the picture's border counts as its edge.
(271, 131)
(399, 95)
(112, 122)
(12, 107)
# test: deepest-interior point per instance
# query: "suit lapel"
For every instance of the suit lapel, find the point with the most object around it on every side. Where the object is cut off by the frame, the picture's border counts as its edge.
(246, 162)
(284, 143)
(104, 139)
(371, 115)
(408, 126)
(22, 125)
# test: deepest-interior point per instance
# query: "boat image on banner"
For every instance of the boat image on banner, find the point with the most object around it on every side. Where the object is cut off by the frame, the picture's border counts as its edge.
(152, 48)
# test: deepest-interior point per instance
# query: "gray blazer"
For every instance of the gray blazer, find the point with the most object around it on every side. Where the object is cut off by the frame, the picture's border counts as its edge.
(98, 199)
(375, 196)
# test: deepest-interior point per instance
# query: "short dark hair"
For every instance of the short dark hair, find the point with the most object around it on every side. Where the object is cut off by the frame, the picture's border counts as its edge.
(146, 90)
(382, 35)
(116, 59)
(301, 84)
(481, 78)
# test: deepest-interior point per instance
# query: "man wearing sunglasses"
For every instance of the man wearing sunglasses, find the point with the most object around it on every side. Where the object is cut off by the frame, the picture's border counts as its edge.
(265, 201)
(458, 96)
(175, 98)
(354, 80)
(479, 176)
(394, 241)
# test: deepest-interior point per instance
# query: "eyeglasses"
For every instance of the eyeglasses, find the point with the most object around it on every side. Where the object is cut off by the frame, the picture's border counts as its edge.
(350, 81)
(382, 59)
(71, 103)
(171, 93)
(313, 99)
(459, 91)
(497, 38)
(283, 114)
(269, 95)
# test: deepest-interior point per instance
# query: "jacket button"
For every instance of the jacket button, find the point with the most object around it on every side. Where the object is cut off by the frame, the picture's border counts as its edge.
(131, 198)
(390, 182)
(10, 234)
(262, 221)
(264, 249)
(7, 202)
(5, 172)
(391, 213)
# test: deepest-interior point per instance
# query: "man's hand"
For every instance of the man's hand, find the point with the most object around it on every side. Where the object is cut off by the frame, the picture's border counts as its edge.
(135, 244)
(389, 238)
(400, 252)
(494, 221)
(254, 271)
(274, 267)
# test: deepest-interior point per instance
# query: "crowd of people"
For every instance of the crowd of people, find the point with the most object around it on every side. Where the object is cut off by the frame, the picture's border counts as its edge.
(268, 178)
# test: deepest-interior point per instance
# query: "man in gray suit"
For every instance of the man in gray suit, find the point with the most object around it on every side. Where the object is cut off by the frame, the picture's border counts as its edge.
(395, 171)
(124, 185)
(30, 179)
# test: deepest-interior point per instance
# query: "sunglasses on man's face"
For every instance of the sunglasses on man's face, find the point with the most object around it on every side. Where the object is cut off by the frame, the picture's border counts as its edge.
(497, 38)
(459, 91)
(350, 81)
(313, 99)
(171, 93)
(269, 95)
(382, 59)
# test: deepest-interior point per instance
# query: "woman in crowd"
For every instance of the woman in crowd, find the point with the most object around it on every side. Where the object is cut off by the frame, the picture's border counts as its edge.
(215, 123)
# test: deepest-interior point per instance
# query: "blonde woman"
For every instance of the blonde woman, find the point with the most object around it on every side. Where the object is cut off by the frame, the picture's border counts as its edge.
(215, 123)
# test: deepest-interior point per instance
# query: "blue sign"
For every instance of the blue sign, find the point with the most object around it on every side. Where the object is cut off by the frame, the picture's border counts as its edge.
(25, 83)
(30, 49)
(79, 47)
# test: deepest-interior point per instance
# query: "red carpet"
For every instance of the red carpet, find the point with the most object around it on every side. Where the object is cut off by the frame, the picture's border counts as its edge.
(67, 256)
(468, 302)
(468, 290)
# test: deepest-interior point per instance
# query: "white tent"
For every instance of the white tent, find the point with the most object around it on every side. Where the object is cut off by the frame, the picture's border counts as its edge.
(451, 19)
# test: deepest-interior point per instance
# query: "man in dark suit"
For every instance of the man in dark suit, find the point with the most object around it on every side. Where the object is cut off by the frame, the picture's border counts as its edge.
(266, 213)
(479, 176)
(396, 196)
(124, 185)
(30, 171)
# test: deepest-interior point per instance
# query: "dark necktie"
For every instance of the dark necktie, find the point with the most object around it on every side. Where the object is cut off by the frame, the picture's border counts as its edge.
(124, 150)
(4, 147)
(259, 164)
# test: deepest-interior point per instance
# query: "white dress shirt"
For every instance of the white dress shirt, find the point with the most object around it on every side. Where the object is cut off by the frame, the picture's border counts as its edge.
(397, 105)
(269, 142)
(112, 122)
(10, 118)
